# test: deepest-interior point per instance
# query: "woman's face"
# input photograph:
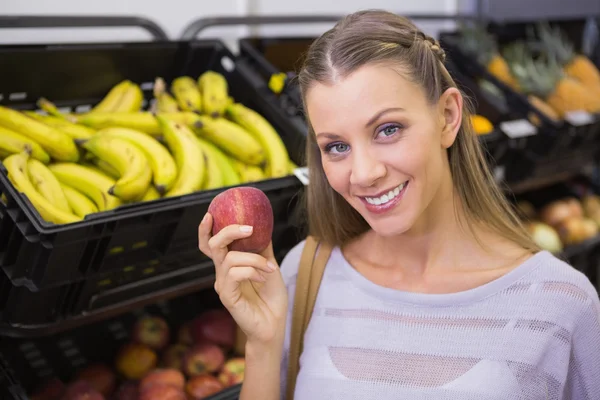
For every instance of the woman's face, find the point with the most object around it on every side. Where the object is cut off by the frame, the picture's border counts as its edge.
(383, 146)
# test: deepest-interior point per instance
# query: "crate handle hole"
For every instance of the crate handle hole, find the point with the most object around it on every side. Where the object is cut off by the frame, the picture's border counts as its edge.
(228, 64)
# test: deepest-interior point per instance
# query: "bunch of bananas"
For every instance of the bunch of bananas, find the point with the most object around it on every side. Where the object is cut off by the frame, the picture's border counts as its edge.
(193, 137)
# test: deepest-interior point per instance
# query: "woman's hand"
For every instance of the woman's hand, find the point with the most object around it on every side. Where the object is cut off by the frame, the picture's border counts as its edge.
(249, 285)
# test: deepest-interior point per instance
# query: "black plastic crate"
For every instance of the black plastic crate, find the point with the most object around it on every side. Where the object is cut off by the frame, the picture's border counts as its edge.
(39, 255)
(26, 364)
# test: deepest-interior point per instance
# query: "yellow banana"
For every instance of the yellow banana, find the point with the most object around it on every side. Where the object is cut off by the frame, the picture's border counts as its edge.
(131, 100)
(12, 142)
(247, 173)
(164, 168)
(16, 165)
(75, 131)
(51, 108)
(79, 202)
(140, 121)
(231, 138)
(47, 185)
(89, 181)
(191, 164)
(291, 167)
(276, 153)
(106, 168)
(113, 98)
(164, 101)
(229, 175)
(187, 94)
(213, 177)
(128, 159)
(215, 93)
(151, 194)
(56, 143)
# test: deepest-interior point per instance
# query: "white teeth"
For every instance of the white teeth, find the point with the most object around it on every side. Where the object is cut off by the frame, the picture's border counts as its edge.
(386, 197)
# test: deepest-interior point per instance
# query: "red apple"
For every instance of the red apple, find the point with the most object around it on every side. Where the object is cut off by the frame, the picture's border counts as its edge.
(163, 376)
(81, 390)
(50, 390)
(127, 391)
(244, 205)
(162, 392)
(232, 372)
(152, 331)
(100, 377)
(203, 358)
(184, 335)
(173, 356)
(135, 360)
(202, 386)
(214, 326)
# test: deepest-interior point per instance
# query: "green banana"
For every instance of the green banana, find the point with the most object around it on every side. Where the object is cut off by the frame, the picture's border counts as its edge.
(164, 101)
(231, 138)
(128, 159)
(164, 168)
(213, 177)
(215, 93)
(47, 185)
(187, 94)
(75, 131)
(16, 165)
(277, 156)
(79, 203)
(228, 174)
(89, 181)
(191, 164)
(12, 142)
(56, 143)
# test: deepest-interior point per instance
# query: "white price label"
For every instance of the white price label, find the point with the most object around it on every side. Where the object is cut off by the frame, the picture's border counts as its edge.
(579, 118)
(518, 128)
(302, 175)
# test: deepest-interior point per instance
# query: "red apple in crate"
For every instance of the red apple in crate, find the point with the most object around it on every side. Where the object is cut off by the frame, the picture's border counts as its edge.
(50, 390)
(163, 376)
(214, 326)
(100, 377)
(203, 358)
(244, 205)
(233, 371)
(173, 356)
(152, 331)
(81, 390)
(184, 336)
(135, 360)
(127, 391)
(202, 386)
(162, 392)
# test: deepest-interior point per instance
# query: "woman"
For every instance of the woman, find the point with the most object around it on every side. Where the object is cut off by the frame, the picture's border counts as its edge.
(433, 289)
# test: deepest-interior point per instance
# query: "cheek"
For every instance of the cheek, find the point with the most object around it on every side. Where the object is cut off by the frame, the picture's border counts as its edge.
(338, 175)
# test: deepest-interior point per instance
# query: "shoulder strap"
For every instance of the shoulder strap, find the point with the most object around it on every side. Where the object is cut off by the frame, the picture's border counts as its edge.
(310, 271)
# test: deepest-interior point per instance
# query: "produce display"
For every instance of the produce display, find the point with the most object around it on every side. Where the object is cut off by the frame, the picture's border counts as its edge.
(193, 137)
(158, 363)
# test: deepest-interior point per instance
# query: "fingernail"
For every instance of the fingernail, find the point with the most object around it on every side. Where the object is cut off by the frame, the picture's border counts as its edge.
(246, 228)
(271, 266)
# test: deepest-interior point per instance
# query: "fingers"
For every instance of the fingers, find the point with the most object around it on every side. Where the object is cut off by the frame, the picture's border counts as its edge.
(230, 291)
(218, 243)
(204, 233)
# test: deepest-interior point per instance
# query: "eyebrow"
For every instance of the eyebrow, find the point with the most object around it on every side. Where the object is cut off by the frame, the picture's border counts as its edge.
(369, 123)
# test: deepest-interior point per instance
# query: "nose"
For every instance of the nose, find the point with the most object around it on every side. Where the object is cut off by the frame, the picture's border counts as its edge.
(367, 168)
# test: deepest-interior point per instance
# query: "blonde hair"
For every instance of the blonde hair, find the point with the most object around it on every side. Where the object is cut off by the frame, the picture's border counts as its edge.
(375, 36)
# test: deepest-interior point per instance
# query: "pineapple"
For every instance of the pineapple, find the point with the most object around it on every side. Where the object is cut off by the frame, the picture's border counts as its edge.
(479, 44)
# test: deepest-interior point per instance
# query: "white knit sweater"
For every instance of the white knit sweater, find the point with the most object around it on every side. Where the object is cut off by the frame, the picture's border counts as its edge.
(533, 334)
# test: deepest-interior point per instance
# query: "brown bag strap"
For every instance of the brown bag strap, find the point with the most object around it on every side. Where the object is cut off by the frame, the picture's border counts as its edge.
(310, 271)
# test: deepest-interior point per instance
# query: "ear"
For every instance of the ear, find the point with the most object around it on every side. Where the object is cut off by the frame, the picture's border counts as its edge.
(450, 111)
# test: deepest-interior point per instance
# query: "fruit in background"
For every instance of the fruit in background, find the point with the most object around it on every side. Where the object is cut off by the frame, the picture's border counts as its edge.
(590, 204)
(110, 102)
(544, 108)
(276, 156)
(214, 89)
(228, 174)
(574, 230)
(50, 390)
(575, 208)
(214, 326)
(247, 173)
(481, 124)
(128, 159)
(140, 121)
(164, 101)
(555, 212)
(164, 169)
(75, 131)
(135, 360)
(91, 182)
(187, 94)
(16, 165)
(526, 210)
(12, 142)
(169, 377)
(244, 205)
(79, 203)
(162, 392)
(212, 174)
(201, 386)
(173, 356)
(203, 358)
(188, 157)
(127, 391)
(544, 236)
(151, 331)
(56, 143)
(100, 377)
(81, 390)
(184, 335)
(151, 194)
(231, 138)
(47, 185)
(233, 371)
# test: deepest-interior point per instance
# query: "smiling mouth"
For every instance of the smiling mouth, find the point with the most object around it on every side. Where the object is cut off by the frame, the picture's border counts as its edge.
(386, 198)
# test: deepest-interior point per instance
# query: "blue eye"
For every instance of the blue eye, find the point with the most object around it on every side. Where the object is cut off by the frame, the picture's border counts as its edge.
(389, 130)
(339, 148)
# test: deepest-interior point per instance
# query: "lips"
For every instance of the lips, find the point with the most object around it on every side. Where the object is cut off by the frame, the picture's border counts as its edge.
(385, 200)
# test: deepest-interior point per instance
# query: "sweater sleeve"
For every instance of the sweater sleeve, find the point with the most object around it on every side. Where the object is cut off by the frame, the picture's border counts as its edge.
(583, 381)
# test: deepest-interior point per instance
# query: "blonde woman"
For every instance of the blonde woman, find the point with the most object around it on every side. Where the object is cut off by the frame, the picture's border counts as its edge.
(433, 289)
